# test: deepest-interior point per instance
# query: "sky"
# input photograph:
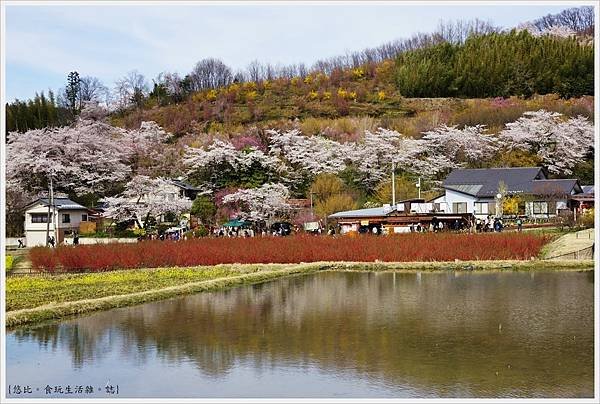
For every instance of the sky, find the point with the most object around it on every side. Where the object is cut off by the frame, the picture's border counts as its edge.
(44, 43)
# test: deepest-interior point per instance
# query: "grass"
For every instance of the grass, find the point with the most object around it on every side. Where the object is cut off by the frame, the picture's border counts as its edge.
(31, 299)
(31, 291)
(9, 262)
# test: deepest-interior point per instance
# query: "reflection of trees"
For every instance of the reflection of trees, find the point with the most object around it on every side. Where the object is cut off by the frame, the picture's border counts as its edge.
(435, 331)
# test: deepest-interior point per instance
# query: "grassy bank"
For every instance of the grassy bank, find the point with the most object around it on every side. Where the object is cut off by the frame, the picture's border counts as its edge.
(31, 299)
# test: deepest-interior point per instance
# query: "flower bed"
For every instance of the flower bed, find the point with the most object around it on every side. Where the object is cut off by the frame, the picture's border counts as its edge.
(212, 251)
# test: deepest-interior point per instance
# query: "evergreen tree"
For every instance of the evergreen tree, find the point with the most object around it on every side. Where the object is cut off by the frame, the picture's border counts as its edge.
(72, 92)
(498, 64)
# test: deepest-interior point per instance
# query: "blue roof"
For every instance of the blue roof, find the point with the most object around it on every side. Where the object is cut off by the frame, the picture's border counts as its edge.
(372, 212)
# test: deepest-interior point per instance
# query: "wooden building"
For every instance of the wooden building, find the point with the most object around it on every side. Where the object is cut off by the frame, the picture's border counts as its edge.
(405, 216)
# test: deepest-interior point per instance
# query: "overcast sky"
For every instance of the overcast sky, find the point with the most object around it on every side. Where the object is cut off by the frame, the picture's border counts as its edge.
(44, 43)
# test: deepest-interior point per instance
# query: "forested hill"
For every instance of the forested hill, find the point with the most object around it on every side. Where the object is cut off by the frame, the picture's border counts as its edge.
(484, 66)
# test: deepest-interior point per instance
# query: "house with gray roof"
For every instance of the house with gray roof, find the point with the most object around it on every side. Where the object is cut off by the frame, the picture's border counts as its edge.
(65, 217)
(476, 191)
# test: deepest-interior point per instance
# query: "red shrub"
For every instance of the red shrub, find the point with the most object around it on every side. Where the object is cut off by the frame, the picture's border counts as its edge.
(212, 251)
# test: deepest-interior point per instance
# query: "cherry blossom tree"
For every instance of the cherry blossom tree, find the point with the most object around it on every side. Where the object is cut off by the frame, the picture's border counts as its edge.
(85, 157)
(221, 159)
(448, 147)
(144, 198)
(561, 144)
(314, 155)
(260, 204)
(91, 156)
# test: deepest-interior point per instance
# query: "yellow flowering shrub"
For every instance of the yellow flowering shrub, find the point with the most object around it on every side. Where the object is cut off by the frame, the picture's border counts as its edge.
(358, 73)
(211, 95)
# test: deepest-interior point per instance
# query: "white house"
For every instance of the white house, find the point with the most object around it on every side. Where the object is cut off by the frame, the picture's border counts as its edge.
(475, 191)
(64, 220)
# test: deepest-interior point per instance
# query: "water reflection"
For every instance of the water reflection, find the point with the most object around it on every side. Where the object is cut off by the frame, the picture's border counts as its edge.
(374, 334)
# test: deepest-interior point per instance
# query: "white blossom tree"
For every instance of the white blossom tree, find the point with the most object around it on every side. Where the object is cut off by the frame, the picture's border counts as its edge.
(146, 198)
(221, 159)
(448, 147)
(314, 155)
(85, 157)
(561, 144)
(263, 203)
(90, 156)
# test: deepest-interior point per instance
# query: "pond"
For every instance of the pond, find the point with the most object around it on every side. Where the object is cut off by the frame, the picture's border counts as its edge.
(331, 334)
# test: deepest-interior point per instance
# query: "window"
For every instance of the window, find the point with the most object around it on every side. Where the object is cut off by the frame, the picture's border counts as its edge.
(481, 208)
(540, 208)
(84, 217)
(66, 218)
(459, 207)
(39, 218)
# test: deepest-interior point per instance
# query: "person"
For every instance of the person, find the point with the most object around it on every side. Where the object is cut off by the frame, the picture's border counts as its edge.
(496, 225)
(418, 227)
(21, 245)
(76, 239)
(412, 228)
(52, 241)
(441, 226)
(519, 224)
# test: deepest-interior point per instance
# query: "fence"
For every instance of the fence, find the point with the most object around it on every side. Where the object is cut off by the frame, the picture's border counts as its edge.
(583, 254)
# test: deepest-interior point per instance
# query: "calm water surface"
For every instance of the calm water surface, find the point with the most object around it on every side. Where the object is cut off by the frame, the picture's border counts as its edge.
(330, 335)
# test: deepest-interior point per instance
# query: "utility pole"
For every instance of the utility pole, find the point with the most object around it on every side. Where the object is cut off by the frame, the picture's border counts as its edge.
(312, 214)
(393, 185)
(50, 212)
(418, 185)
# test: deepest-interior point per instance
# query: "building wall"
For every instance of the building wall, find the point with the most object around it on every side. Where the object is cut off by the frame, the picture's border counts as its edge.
(35, 233)
(560, 205)
(452, 197)
(75, 216)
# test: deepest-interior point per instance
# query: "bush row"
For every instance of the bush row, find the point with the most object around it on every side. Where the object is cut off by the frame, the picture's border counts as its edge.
(296, 249)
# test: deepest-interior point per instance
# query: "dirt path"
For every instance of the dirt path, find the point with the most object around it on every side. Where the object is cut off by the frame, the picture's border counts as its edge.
(572, 244)
(22, 264)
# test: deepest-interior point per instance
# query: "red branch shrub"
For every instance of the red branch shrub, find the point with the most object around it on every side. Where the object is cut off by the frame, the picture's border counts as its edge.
(296, 249)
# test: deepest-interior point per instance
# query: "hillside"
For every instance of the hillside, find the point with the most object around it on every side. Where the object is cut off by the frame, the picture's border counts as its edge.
(508, 68)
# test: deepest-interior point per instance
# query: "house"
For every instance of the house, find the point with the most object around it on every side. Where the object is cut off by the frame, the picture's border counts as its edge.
(185, 190)
(476, 191)
(64, 220)
(400, 218)
(584, 201)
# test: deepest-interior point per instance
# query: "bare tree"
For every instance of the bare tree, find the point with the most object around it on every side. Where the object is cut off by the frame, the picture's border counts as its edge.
(210, 73)
(579, 19)
(131, 89)
(91, 89)
(255, 71)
